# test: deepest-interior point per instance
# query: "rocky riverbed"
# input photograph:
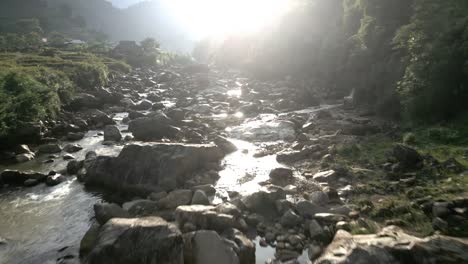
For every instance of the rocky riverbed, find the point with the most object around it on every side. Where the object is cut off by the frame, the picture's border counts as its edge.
(194, 165)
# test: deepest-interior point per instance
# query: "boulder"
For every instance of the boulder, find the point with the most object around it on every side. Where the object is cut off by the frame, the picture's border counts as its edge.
(176, 198)
(74, 166)
(15, 177)
(290, 219)
(56, 179)
(297, 155)
(226, 145)
(393, 246)
(20, 158)
(72, 148)
(281, 176)
(73, 136)
(146, 240)
(308, 209)
(143, 105)
(112, 133)
(153, 128)
(408, 157)
(263, 202)
(206, 217)
(199, 197)
(106, 211)
(151, 167)
(50, 148)
(326, 176)
(205, 246)
(83, 100)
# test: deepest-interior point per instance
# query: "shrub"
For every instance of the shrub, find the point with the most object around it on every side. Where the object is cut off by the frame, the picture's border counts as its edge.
(24, 99)
(86, 75)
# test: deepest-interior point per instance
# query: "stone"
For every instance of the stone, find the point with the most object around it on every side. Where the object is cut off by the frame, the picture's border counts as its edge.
(326, 176)
(316, 232)
(20, 158)
(225, 145)
(199, 197)
(408, 157)
(308, 209)
(392, 245)
(53, 180)
(151, 167)
(440, 209)
(205, 217)
(50, 148)
(290, 219)
(208, 247)
(294, 156)
(143, 208)
(143, 105)
(145, 240)
(68, 157)
(31, 182)
(175, 199)
(263, 202)
(153, 128)
(73, 136)
(72, 148)
(74, 166)
(83, 100)
(14, 177)
(228, 208)
(440, 224)
(208, 189)
(319, 197)
(89, 239)
(281, 176)
(112, 133)
(157, 196)
(106, 211)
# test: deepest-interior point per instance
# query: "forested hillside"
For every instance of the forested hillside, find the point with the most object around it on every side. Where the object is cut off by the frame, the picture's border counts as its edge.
(405, 58)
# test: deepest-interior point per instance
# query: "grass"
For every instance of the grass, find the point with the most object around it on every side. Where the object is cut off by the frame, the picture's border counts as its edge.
(386, 200)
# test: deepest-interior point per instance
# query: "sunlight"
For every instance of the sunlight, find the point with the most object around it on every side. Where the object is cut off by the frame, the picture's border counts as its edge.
(222, 17)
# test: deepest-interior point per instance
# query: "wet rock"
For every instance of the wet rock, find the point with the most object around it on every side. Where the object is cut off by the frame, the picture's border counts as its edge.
(151, 167)
(326, 176)
(15, 177)
(72, 136)
(440, 224)
(153, 128)
(112, 133)
(314, 251)
(108, 97)
(392, 245)
(319, 197)
(205, 217)
(134, 115)
(408, 157)
(226, 145)
(293, 156)
(317, 233)
(208, 189)
(290, 219)
(281, 176)
(68, 157)
(176, 114)
(74, 166)
(84, 100)
(282, 206)
(228, 208)
(440, 209)
(143, 208)
(329, 218)
(199, 197)
(175, 199)
(263, 202)
(308, 209)
(143, 105)
(53, 180)
(208, 247)
(50, 148)
(139, 240)
(244, 247)
(268, 128)
(31, 182)
(72, 148)
(89, 239)
(157, 196)
(100, 119)
(106, 211)
(20, 158)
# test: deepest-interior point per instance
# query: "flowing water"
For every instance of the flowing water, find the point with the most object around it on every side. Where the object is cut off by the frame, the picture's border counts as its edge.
(38, 223)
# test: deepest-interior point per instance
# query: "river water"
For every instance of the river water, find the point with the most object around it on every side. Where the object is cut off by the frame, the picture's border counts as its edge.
(43, 223)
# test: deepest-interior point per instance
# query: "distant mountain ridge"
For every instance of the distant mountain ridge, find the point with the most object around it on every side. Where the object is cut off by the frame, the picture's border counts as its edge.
(144, 19)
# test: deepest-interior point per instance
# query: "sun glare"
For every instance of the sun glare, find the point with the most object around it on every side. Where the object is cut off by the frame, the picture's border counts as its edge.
(220, 17)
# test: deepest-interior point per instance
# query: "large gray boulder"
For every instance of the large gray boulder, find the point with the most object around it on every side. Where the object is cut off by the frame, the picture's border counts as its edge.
(146, 240)
(151, 167)
(112, 133)
(206, 217)
(408, 157)
(205, 246)
(153, 128)
(393, 246)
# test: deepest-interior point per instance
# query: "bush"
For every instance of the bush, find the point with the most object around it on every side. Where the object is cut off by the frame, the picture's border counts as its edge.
(86, 75)
(24, 99)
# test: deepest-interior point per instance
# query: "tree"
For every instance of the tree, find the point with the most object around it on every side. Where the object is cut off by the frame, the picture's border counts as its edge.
(25, 26)
(33, 41)
(56, 39)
